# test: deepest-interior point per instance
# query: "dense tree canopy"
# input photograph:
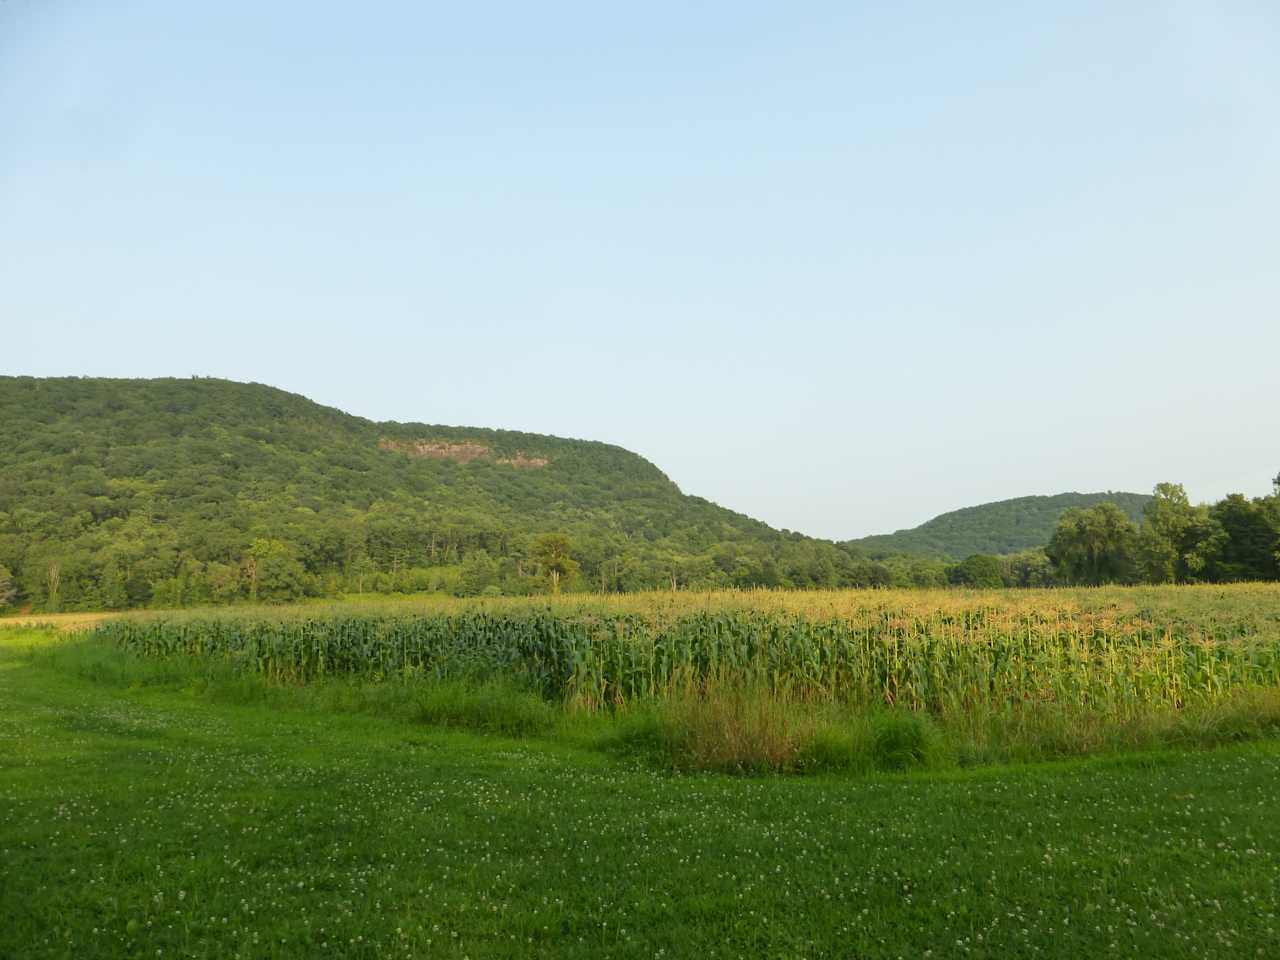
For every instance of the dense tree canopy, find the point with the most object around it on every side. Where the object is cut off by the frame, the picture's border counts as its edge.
(7, 589)
(1094, 546)
(980, 570)
(1247, 549)
(117, 493)
(1234, 539)
(1178, 540)
(126, 493)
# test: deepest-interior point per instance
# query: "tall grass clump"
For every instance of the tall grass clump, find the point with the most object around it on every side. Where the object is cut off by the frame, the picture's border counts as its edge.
(734, 728)
(902, 740)
(494, 707)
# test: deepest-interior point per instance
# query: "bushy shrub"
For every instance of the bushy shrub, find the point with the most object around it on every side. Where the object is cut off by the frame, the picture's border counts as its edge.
(906, 741)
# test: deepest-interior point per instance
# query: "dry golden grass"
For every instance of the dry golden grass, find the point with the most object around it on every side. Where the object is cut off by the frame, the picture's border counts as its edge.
(66, 622)
(736, 728)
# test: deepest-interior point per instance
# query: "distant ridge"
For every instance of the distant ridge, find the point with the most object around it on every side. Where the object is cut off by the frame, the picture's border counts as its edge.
(172, 492)
(180, 492)
(1005, 526)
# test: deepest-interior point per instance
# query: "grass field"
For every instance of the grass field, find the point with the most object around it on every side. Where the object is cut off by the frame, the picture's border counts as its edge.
(192, 806)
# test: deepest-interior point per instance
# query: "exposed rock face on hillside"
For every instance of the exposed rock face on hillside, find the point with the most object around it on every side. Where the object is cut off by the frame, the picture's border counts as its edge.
(119, 493)
(463, 452)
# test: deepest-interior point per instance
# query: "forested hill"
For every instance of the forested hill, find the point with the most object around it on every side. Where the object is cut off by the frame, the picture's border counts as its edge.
(129, 492)
(1006, 526)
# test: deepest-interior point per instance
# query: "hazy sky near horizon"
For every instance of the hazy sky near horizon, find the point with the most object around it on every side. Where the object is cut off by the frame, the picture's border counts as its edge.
(838, 266)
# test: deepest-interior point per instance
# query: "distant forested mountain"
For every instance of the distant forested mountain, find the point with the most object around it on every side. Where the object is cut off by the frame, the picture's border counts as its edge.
(1007, 526)
(121, 493)
(167, 493)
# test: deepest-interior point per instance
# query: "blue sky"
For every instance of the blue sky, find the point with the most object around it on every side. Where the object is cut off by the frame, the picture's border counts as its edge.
(838, 266)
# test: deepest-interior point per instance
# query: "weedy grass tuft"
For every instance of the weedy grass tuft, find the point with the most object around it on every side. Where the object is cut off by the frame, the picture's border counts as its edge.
(843, 745)
(493, 707)
(907, 741)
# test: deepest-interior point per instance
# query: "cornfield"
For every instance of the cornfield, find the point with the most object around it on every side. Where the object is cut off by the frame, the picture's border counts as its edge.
(1115, 651)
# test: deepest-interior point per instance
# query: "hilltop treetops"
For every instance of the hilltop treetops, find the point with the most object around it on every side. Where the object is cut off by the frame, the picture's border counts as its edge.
(1235, 539)
(121, 494)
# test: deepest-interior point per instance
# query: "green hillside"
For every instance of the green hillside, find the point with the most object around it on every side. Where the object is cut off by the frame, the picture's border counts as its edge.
(130, 492)
(1006, 526)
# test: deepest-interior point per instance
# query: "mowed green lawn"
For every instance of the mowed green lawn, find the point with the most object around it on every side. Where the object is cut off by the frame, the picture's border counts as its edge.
(154, 823)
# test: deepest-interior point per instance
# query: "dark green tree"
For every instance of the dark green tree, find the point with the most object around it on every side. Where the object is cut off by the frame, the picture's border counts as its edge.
(1178, 541)
(8, 590)
(552, 552)
(479, 572)
(1249, 550)
(112, 590)
(362, 572)
(979, 570)
(1094, 546)
(275, 575)
(1028, 568)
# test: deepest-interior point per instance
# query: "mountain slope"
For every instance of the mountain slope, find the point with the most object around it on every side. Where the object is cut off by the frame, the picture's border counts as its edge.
(126, 492)
(1006, 526)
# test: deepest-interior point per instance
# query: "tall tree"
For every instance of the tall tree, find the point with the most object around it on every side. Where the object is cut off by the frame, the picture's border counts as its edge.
(1178, 541)
(112, 587)
(53, 585)
(1249, 551)
(8, 591)
(552, 552)
(274, 572)
(979, 570)
(1094, 546)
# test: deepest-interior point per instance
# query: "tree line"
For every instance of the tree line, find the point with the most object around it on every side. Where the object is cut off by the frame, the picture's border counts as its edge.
(120, 494)
(1234, 539)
